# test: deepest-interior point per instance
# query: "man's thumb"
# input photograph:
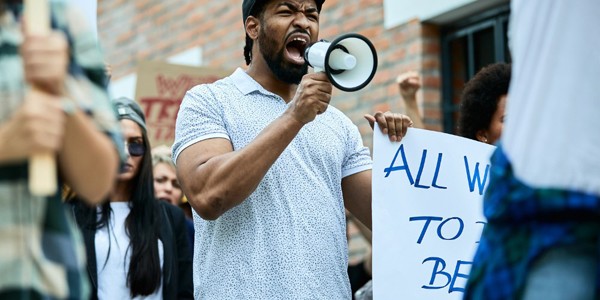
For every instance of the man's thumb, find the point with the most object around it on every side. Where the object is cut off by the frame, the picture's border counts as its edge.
(371, 120)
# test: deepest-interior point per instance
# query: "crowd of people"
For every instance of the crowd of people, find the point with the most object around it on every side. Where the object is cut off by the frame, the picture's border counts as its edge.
(252, 200)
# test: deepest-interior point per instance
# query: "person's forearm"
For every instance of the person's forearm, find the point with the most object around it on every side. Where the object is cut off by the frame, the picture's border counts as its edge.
(366, 232)
(88, 160)
(356, 189)
(361, 209)
(412, 111)
(368, 267)
(226, 180)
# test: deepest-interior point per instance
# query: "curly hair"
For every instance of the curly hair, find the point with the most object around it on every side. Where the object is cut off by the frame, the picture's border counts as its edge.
(257, 11)
(479, 99)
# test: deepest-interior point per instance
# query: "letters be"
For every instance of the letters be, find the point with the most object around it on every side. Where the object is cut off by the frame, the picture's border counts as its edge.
(450, 279)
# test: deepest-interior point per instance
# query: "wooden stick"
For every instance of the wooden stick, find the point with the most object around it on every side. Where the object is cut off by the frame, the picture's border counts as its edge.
(42, 166)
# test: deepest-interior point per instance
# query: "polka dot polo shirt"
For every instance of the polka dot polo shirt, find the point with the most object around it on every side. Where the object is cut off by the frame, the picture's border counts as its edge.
(287, 240)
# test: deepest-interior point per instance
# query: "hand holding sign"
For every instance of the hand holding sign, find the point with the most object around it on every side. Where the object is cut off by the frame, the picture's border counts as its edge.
(427, 213)
(392, 124)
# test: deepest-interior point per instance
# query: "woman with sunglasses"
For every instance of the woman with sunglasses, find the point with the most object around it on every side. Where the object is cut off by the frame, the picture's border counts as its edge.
(136, 245)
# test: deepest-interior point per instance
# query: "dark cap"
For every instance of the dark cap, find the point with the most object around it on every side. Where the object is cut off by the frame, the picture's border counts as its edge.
(248, 5)
(128, 109)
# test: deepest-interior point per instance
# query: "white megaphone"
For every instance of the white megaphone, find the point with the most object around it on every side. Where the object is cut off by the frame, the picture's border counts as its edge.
(350, 61)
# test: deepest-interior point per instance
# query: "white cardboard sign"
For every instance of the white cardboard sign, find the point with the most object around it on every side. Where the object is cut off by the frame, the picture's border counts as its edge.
(427, 213)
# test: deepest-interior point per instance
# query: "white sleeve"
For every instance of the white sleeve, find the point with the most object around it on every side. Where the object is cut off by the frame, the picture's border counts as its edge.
(200, 118)
(358, 157)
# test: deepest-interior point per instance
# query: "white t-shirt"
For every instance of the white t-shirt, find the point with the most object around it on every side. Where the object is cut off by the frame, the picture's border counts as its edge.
(552, 132)
(287, 240)
(112, 273)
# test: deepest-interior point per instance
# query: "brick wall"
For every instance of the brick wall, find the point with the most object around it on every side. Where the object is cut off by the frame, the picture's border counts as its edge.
(130, 30)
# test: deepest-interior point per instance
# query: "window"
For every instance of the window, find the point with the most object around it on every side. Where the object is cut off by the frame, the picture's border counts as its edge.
(468, 46)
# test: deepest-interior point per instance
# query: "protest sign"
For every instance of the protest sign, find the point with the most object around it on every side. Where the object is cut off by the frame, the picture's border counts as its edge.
(161, 87)
(427, 213)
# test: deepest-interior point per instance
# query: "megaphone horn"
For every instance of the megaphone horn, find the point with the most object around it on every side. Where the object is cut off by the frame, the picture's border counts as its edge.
(350, 61)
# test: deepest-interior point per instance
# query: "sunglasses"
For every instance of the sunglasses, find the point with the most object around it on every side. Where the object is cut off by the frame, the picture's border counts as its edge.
(136, 149)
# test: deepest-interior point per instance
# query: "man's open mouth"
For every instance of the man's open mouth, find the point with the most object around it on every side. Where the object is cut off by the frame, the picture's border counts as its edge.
(295, 47)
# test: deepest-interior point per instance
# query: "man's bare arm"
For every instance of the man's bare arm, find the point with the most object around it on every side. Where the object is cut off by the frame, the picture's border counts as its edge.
(88, 159)
(409, 84)
(356, 189)
(215, 178)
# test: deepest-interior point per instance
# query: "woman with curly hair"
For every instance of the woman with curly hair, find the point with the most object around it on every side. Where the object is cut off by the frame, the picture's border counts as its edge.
(483, 102)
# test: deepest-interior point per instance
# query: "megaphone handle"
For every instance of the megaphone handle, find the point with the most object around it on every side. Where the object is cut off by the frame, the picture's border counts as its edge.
(42, 166)
(317, 69)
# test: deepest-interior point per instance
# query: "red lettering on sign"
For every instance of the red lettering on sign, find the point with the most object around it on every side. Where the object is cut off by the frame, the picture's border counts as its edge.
(148, 103)
(157, 134)
(161, 110)
(170, 134)
(173, 105)
(167, 108)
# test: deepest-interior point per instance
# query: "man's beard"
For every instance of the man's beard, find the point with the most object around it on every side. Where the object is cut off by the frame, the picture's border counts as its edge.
(284, 71)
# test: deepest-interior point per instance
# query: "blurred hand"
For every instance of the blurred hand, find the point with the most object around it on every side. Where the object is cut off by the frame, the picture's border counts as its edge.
(312, 97)
(409, 83)
(37, 126)
(394, 125)
(45, 61)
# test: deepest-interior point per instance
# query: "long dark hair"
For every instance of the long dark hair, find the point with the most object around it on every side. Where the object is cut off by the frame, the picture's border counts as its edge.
(142, 224)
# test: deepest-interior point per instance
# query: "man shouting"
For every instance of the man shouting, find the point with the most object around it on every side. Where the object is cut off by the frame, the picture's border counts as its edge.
(268, 167)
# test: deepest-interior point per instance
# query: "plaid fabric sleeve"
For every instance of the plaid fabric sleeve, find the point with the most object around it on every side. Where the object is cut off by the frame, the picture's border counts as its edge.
(524, 223)
(43, 254)
(87, 81)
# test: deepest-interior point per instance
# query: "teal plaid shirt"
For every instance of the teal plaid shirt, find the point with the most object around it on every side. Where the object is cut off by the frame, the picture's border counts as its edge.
(41, 251)
(523, 223)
